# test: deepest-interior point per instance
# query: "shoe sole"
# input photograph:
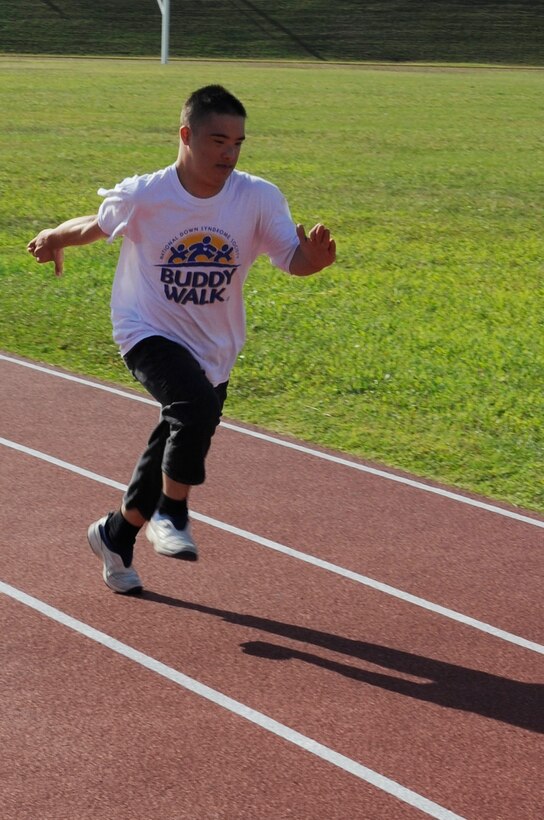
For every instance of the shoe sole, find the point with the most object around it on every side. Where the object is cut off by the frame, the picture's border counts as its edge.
(95, 543)
(180, 556)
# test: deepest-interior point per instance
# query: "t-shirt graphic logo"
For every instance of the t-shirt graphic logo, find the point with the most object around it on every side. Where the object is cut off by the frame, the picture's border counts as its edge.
(197, 267)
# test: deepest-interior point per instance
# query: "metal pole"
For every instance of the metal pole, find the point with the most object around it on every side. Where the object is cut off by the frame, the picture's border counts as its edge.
(164, 6)
(165, 31)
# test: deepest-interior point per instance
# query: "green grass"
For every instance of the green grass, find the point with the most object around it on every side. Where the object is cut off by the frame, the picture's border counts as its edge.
(421, 348)
(492, 31)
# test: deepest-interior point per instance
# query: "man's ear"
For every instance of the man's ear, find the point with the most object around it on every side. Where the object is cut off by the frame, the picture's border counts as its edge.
(185, 134)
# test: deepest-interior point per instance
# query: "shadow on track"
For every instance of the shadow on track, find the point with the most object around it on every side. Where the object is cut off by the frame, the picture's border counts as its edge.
(456, 687)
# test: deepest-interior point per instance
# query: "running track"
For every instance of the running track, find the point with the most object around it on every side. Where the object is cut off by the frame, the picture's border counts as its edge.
(354, 643)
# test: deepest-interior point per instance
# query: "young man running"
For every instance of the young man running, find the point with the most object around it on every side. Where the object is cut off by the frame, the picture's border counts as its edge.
(190, 233)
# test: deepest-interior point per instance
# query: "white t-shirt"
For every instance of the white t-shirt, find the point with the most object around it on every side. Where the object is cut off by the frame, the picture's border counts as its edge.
(184, 260)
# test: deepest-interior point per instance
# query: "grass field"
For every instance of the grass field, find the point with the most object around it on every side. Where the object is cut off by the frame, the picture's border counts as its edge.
(421, 348)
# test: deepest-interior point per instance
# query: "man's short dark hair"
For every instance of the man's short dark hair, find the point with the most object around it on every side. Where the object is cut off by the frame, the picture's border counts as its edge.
(211, 99)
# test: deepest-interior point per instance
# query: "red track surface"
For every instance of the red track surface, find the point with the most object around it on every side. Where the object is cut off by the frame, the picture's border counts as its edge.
(437, 706)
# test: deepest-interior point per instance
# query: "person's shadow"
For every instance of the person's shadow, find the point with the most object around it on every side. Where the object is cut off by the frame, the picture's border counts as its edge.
(510, 701)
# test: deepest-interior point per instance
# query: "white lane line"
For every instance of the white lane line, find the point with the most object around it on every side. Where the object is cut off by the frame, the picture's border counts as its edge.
(78, 380)
(407, 597)
(344, 462)
(265, 722)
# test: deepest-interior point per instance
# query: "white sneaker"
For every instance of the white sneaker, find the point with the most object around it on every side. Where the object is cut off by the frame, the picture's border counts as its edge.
(167, 540)
(124, 580)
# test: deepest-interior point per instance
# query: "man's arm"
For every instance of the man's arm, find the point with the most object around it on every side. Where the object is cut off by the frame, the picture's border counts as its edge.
(48, 245)
(315, 251)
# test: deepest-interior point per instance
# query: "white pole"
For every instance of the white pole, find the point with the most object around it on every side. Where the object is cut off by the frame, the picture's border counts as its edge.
(164, 6)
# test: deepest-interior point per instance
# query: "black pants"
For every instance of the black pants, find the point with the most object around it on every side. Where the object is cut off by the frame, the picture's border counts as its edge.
(191, 408)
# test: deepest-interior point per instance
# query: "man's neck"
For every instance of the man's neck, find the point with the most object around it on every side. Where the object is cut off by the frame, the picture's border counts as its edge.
(194, 186)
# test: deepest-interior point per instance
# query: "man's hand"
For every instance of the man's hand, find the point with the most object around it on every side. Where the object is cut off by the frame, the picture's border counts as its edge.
(48, 245)
(315, 251)
(43, 249)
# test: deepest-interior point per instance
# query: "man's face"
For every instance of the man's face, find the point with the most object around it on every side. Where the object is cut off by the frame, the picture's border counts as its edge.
(211, 151)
